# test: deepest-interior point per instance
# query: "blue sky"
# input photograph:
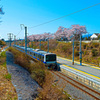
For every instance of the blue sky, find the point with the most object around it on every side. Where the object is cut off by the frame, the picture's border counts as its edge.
(34, 12)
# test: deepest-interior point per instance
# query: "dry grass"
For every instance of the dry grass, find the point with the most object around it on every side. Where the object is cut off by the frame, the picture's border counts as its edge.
(37, 70)
(91, 51)
(7, 90)
(40, 74)
(51, 91)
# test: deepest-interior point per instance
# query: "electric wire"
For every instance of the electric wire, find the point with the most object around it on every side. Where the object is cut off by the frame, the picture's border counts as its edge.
(59, 17)
(64, 16)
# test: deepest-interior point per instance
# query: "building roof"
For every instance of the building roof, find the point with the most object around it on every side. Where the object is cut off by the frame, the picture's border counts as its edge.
(97, 34)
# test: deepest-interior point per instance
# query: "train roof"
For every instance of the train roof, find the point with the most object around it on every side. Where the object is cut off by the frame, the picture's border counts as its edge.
(35, 50)
(44, 52)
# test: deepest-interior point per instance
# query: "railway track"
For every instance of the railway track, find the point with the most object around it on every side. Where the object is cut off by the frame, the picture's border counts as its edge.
(86, 89)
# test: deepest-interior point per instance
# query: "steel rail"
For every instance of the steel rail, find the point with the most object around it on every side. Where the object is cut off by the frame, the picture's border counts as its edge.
(62, 76)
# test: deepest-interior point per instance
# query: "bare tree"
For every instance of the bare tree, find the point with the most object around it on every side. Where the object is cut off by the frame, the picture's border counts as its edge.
(1, 12)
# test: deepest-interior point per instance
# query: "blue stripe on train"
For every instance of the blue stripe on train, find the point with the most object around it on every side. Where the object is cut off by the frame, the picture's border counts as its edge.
(37, 58)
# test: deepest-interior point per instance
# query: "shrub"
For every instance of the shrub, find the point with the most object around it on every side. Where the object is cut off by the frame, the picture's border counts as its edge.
(3, 58)
(85, 52)
(50, 90)
(36, 69)
(95, 45)
(84, 46)
(94, 52)
(76, 43)
(3, 54)
(76, 53)
(39, 76)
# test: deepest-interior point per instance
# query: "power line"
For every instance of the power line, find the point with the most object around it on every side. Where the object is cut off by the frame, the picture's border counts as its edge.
(64, 16)
(19, 32)
(21, 29)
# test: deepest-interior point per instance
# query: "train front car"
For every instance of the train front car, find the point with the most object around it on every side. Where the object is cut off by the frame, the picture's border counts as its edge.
(50, 61)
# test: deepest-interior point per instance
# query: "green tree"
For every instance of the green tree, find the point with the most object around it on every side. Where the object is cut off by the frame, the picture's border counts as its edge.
(2, 43)
(98, 36)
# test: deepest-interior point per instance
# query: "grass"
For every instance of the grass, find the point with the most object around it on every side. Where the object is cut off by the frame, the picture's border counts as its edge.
(41, 75)
(7, 76)
(7, 90)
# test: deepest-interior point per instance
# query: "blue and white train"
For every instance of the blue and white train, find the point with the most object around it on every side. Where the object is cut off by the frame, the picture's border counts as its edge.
(49, 59)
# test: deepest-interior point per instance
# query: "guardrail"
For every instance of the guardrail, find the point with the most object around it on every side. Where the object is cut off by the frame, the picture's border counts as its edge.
(82, 78)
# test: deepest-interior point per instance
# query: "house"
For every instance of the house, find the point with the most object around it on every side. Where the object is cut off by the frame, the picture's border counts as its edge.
(94, 36)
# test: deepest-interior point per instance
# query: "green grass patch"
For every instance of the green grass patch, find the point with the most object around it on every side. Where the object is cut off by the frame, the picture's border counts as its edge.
(3, 58)
(8, 76)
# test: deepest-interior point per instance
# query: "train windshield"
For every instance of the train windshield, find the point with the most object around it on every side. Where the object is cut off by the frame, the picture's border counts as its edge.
(50, 58)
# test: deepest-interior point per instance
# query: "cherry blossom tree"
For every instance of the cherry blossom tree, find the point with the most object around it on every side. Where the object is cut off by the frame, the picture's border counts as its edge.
(61, 33)
(74, 30)
(38, 37)
(78, 30)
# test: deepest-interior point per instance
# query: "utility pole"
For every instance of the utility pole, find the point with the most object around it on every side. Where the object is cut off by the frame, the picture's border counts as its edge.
(40, 44)
(32, 44)
(22, 42)
(73, 53)
(99, 51)
(14, 39)
(25, 39)
(10, 35)
(80, 50)
(48, 44)
(32, 41)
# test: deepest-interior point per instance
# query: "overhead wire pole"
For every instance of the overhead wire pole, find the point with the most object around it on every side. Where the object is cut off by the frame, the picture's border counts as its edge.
(14, 39)
(40, 44)
(25, 27)
(73, 52)
(99, 50)
(48, 44)
(10, 35)
(25, 39)
(80, 50)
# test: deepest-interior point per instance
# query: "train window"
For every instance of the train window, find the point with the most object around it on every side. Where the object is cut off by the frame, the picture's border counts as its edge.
(51, 57)
(34, 54)
(42, 58)
(39, 56)
(30, 53)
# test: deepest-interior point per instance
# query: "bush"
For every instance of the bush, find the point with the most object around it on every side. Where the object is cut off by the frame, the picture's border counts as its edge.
(39, 76)
(50, 90)
(3, 58)
(42, 76)
(3, 54)
(76, 53)
(85, 52)
(95, 45)
(36, 69)
(94, 52)
(84, 46)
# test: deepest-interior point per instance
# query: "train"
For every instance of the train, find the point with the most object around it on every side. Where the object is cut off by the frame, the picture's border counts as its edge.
(49, 59)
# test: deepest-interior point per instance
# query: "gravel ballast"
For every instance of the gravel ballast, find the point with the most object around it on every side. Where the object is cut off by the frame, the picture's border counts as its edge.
(25, 86)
